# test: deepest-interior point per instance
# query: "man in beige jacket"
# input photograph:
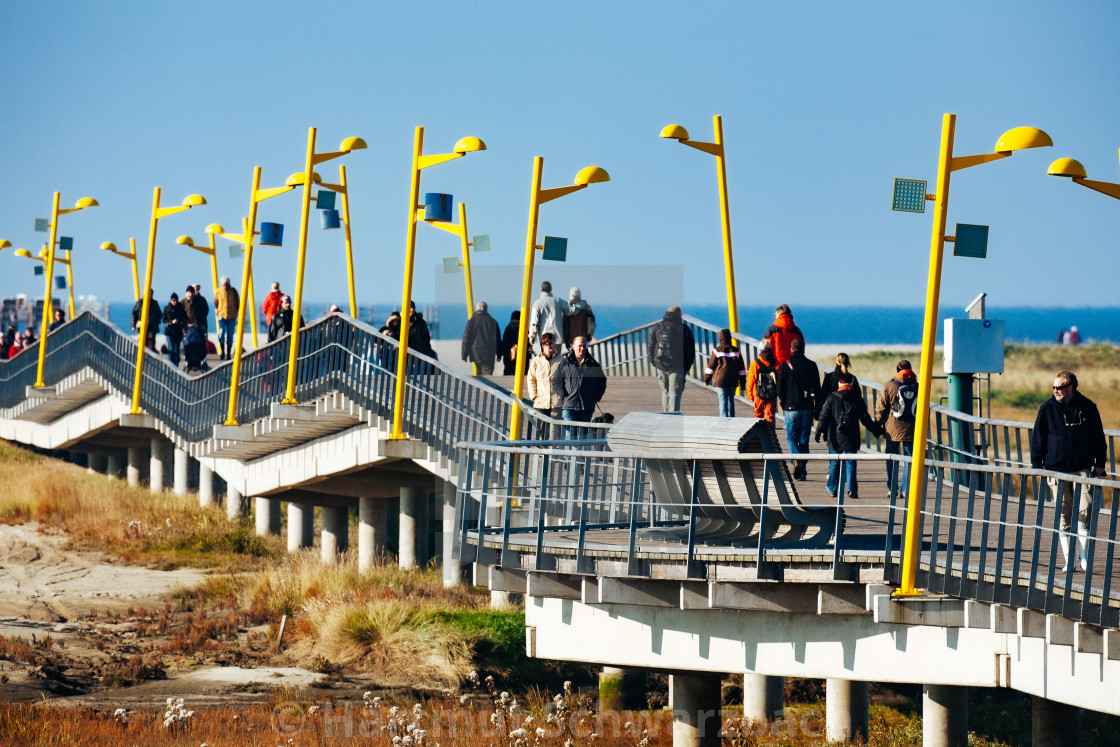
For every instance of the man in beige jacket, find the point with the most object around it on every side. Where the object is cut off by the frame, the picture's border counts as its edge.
(546, 387)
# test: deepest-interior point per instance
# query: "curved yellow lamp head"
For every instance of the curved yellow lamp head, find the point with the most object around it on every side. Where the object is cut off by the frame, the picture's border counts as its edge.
(674, 132)
(192, 200)
(43, 252)
(352, 143)
(185, 240)
(4, 243)
(215, 228)
(1022, 138)
(1067, 167)
(295, 180)
(592, 175)
(469, 144)
(22, 253)
(109, 246)
(86, 202)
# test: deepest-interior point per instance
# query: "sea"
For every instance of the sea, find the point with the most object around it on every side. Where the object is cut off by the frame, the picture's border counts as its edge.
(864, 325)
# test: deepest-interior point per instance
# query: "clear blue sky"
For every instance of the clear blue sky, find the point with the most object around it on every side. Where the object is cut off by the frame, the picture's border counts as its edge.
(823, 104)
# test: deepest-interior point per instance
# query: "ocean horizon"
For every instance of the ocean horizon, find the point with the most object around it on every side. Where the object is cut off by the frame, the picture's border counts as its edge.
(864, 325)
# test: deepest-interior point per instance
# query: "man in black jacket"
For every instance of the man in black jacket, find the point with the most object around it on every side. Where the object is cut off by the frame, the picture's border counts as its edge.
(1068, 436)
(799, 389)
(584, 383)
(671, 351)
(480, 340)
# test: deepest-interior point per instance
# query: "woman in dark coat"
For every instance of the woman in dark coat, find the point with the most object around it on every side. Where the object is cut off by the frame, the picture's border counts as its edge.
(508, 347)
(841, 415)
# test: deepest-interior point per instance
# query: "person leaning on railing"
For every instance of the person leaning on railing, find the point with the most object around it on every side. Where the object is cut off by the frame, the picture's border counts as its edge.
(1068, 436)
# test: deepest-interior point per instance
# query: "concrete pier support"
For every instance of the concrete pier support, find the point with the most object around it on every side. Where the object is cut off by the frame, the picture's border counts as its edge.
(159, 465)
(621, 689)
(233, 503)
(413, 543)
(266, 511)
(182, 471)
(451, 575)
(97, 463)
(945, 716)
(301, 526)
(205, 486)
(695, 702)
(135, 460)
(372, 530)
(336, 532)
(501, 600)
(763, 697)
(1054, 724)
(845, 710)
(114, 465)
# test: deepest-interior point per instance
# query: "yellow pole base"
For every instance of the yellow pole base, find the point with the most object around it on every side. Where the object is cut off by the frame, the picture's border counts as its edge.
(897, 593)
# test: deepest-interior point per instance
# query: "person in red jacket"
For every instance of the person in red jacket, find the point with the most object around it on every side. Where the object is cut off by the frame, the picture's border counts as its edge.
(272, 303)
(782, 332)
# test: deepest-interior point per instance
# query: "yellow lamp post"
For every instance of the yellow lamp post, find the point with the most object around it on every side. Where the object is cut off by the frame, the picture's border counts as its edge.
(460, 230)
(55, 212)
(1019, 138)
(208, 250)
(60, 260)
(157, 213)
(537, 197)
(1072, 169)
(680, 134)
(313, 158)
(342, 189)
(109, 246)
(419, 162)
(215, 229)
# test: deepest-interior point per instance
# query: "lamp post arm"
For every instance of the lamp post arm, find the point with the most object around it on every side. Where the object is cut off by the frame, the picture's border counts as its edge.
(164, 212)
(424, 162)
(716, 149)
(319, 158)
(1105, 188)
(547, 195)
(452, 228)
(264, 194)
(964, 162)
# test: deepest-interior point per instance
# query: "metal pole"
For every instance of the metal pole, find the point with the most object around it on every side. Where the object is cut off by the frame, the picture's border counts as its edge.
(48, 307)
(143, 340)
(725, 216)
(293, 349)
(409, 258)
(526, 284)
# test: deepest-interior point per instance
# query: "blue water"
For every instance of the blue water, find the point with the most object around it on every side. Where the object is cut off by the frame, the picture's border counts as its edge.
(820, 324)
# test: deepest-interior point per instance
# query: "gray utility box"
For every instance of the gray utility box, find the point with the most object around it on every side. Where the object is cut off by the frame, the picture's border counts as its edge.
(973, 346)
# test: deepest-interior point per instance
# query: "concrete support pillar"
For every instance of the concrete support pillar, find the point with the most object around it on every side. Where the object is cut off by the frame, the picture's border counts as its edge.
(845, 711)
(301, 526)
(336, 532)
(372, 528)
(621, 689)
(233, 503)
(160, 464)
(695, 702)
(763, 697)
(945, 716)
(267, 515)
(205, 486)
(114, 465)
(135, 457)
(182, 471)
(98, 463)
(1054, 724)
(451, 574)
(413, 544)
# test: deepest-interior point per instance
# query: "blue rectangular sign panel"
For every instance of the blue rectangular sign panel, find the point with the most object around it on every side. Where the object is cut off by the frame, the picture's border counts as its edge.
(66, 243)
(972, 241)
(555, 248)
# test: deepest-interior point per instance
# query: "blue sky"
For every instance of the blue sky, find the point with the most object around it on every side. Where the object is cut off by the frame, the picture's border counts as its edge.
(823, 104)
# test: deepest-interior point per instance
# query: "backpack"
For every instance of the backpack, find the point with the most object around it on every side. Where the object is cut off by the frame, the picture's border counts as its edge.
(672, 338)
(765, 384)
(847, 419)
(905, 404)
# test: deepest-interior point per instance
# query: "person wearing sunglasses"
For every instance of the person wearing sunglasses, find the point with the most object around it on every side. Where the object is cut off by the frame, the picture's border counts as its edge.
(1068, 437)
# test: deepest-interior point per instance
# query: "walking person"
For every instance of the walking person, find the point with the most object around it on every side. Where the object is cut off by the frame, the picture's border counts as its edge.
(546, 382)
(579, 319)
(671, 351)
(830, 383)
(726, 372)
(227, 303)
(782, 333)
(419, 336)
(174, 325)
(762, 384)
(839, 421)
(481, 337)
(1068, 437)
(799, 390)
(281, 323)
(509, 348)
(272, 303)
(155, 314)
(59, 320)
(584, 383)
(547, 315)
(895, 413)
(202, 309)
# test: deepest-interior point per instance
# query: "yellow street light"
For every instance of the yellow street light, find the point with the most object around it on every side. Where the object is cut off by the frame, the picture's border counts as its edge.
(4, 244)
(81, 204)
(157, 213)
(537, 197)
(419, 162)
(1019, 138)
(1072, 169)
(342, 189)
(460, 230)
(680, 134)
(109, 246)
(209, 250)
(307, 176)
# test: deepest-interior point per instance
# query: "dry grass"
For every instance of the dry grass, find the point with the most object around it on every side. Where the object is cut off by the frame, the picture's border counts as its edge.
(157, 530)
